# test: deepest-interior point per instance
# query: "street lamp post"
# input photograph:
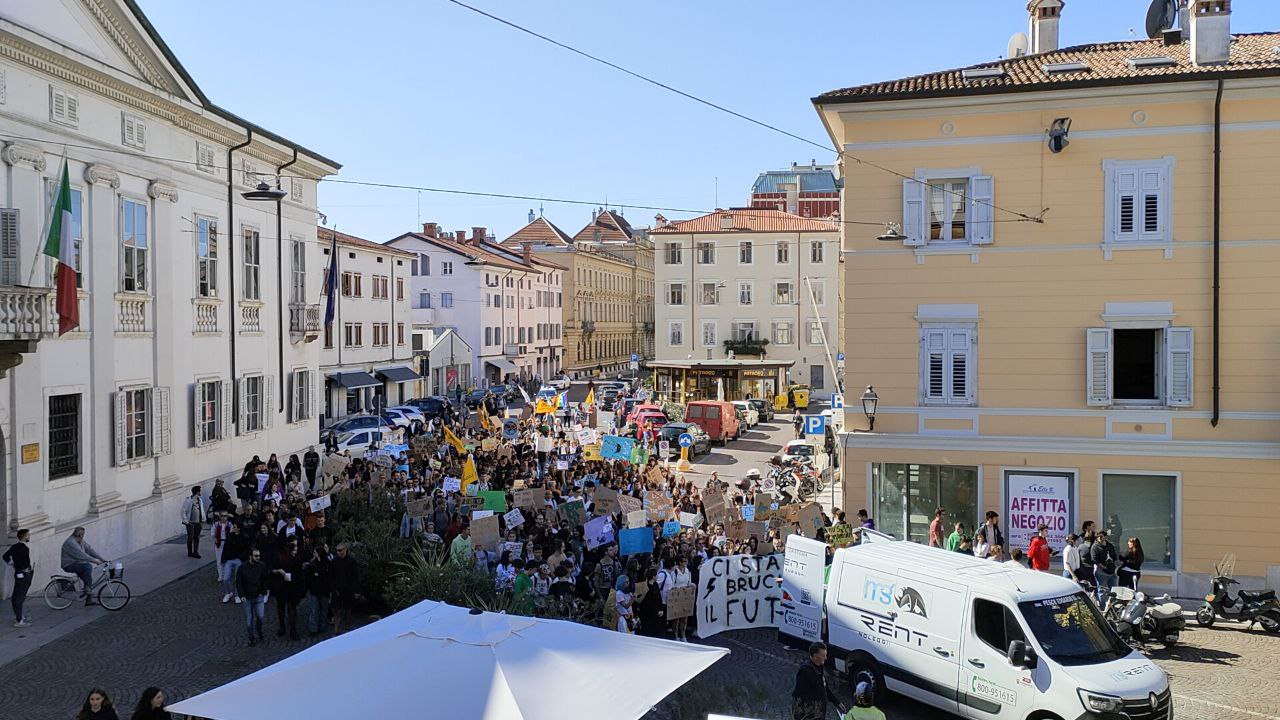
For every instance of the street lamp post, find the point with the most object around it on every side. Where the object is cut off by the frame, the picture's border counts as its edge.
(869, 402)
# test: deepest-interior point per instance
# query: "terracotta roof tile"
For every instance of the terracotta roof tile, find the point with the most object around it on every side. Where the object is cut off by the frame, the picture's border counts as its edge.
(539, 232)
(1109, 64)
(748, 220)
(612, 226)
(325, 236)
(491, 255)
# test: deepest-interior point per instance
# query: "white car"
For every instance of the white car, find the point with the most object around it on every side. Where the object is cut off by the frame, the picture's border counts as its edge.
(396, 418)
(752, 415)
(798, 450)
(359, 442)
(409, 412)
(561, 383)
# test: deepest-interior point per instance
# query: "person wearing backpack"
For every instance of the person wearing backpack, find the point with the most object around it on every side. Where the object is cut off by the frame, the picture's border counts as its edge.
(675, 575)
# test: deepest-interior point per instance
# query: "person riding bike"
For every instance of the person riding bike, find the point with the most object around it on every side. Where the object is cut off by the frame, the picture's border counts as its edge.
(79, 557)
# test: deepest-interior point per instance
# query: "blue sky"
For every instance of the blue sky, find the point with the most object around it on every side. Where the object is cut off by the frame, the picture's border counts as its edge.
(426, 93)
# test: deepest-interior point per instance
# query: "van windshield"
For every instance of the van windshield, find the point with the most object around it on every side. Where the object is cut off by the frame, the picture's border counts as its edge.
(1072, 631)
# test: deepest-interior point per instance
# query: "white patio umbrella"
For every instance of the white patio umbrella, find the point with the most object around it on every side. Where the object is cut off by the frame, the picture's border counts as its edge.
(437, 660)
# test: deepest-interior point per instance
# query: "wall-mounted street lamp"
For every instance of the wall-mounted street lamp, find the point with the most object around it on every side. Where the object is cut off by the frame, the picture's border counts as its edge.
(892, 233)
(869, 402)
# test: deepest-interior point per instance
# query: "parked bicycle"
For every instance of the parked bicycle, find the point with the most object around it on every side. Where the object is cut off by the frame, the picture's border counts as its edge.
(111, 592)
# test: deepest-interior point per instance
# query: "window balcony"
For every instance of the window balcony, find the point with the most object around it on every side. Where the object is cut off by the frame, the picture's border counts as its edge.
(746, 347)
(204, 317)
(26, 316)
(251, 317)
(304, 322)
(133, 313)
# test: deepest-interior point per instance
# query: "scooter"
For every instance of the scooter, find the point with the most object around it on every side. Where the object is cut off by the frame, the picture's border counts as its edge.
(1251, 606)
(1138, 618)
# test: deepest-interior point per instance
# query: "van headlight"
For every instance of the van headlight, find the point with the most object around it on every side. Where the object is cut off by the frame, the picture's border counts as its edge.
(1099, 703)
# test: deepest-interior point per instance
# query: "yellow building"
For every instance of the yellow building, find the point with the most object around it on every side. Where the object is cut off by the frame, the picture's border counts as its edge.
(1114, 362)
(608, 289)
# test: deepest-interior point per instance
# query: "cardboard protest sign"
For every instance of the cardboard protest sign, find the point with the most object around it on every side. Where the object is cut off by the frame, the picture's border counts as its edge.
(531, 498)
(659, 507)
(477, 514)
(510, 428)
(654, 476)
(713, 503)
(513, 518)
(495, 500)
(318, 504)
(470, 504)
(484, 531)
(606, 501)
(637, 518)
(736, 592)
(839, 536)
(591, 452)
(628, 504)
(422, 442)
(616, 447)
(489, 444)
(748, 512)
(334, 465)
(690, 520)
(516, 549)
(809, 517)
(670, 528)
(418, 508)
(680, 602)
(452, 484)
(746, 529)
(573, 513)
(635, 541)
(599, 531)
(764, 506)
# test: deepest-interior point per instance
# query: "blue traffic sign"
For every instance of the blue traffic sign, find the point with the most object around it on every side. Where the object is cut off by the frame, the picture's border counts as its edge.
(635, 357)
(815, 425)
(686, 440)
(837, 401)
(840, 357)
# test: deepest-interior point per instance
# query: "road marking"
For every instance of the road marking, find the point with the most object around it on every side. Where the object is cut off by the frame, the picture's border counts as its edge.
(1220, 706)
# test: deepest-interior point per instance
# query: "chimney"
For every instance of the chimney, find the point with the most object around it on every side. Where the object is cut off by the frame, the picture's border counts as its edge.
(594, 213)
(1210, 32)
(531, 216)
(660, 220)
(1044, 24)
(460, 237)
(526, 252)
(477, 235)
(430, 229)
(726, 221)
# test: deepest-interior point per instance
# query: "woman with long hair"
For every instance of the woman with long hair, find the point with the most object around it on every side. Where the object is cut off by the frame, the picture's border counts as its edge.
(151, 706)
(1131, 560)
(97, 706)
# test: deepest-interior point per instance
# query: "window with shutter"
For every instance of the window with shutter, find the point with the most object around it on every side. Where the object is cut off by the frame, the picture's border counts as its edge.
(119, 417)
(947, 368)
(1180, 366)
(9, 246)
(205, 158)
(225, 429)
(162, 437)
(913, 212)
(1138, 203)
(133, 131)
(268, 400)
(310, 406)
(981, 211)
(1098, 366)
(64, 107)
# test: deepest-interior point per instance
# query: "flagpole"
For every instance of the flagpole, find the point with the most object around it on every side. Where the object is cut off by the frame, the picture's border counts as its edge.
(48, 223)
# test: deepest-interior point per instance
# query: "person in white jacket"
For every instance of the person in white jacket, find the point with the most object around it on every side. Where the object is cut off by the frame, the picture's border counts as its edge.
(194, 515)
(1071, 558)
(670, 578)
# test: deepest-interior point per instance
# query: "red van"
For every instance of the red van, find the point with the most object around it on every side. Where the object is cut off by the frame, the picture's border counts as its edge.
(716, 418)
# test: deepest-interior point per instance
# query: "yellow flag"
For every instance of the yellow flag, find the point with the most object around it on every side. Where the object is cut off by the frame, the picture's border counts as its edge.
(591, 397)
(543, 407)
(484, 419)
(453, 440)
(469, 474)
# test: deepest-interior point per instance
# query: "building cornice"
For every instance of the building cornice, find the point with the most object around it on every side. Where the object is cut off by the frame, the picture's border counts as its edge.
(161, 190)
(1060, 445)
(20, 153)
(99, 173)
(111, 24)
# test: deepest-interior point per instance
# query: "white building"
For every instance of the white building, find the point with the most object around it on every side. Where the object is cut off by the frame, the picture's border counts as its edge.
(756, 282)
(193, 352)
(367, 357)
(504, 304)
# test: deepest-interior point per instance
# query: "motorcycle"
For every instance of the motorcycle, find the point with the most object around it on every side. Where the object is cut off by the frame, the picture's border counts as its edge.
(1251, 606)
(1137, 618)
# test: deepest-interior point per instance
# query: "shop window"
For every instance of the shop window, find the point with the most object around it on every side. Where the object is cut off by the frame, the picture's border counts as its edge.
(904, 497)
(1142, 506)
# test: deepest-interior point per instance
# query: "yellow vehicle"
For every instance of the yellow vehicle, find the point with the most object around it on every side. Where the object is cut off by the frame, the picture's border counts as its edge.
(800, 394)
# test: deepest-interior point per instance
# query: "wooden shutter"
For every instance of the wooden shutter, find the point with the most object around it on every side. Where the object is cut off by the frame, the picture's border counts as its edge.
(225, 429)
(1126, 205)
(292, 395)
(197, 414)
(311, 395)
(9, 246)
(161, 424)
(117, 403)
(913, 224)
(960, 380)
(268, 400)
(1179, 346)
(1151, 220)
(241, 419)
(1098, 366)
(933, 345)
(981, 230)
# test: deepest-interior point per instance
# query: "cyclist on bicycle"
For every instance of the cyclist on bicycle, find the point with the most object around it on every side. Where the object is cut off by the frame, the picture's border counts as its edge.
(79, 557)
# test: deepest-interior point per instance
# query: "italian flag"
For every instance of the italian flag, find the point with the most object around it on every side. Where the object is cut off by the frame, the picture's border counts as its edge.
(59, 246)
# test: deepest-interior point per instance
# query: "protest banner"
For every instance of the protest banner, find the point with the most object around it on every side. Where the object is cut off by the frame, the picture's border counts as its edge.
(637, 518)
(418, 508)
(1035, 499)
(670, 528)
(690, 520)
(738, 592)
(495, 500)
(680, 602)
(318, 504)
(489, 444)
(484, 531)
(335, 465)
(746, 529)
(591, 452)
(606, 501)
(530, 498)
(573, 513)
(516, 549)
(513, 518)
(477, 514)
(423, 443)
(748, 512)
(586, 436)
(599, 531)
(471, 490)
(764, 506)
(839, 536)
(639, 455)
(628, 504)
(713, 503)
(452, 484)
(562, 464)
(616, 447)
(659, 507)
(634, 541)
(470, 504)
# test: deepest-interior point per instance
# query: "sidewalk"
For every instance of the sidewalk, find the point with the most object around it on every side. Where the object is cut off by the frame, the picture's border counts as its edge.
(145, 571)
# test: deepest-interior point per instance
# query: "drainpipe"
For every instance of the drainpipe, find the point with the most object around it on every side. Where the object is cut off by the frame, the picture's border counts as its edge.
(280, 327)
(231, 265)
(1217, 247)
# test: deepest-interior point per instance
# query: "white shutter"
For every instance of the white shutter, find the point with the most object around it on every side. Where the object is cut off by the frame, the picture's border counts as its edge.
(913, 224)
(227, 389)
(1125, 199)
(117, 402)
(960, 385)
(1151, 220)
(292, 395)
(310, 409)
(1098, 366)
(73, 109)
(981, 195)
(1179, 344)
(196, 414)
(244, 406)
(933, 345)
(268, 400)
(161, 424)
(9, 246)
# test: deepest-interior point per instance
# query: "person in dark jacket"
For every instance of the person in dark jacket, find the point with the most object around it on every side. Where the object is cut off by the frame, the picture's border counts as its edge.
(318, 589)
(251, 584)
(151, 706)
(1131, 559)
(293, 468)
(97, 706)
(1104, 557)
(19, 555)
(344, 579)
(220, 499)
(810, 697)
(235, 551)
(651, 612)
(311, 463)
(289, 586)
(246, 489)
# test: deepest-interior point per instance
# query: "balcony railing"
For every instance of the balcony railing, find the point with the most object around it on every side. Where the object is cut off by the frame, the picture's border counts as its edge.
(746, 347)
(304, 321)
(26, 313)
(250, 318)
(205, 315)
(133, 313)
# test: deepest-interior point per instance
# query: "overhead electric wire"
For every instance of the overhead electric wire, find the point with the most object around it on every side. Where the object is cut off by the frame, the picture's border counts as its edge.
(1024, 217)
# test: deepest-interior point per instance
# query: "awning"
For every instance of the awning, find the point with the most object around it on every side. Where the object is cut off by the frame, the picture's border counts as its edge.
(503, 364)
(355, 380)
(398, 374)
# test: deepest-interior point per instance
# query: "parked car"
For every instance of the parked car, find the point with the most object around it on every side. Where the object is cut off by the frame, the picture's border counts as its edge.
(798, 450)
(639, 408)
(559, 383)
(671, 432)
(627, 407)
(508, 393)
(655, 418)
(359, 442)
(716, 417)
(608, 398)
(409, 412)
(395, 418)
(356, 422)
(430, 407)
(764, 408)
(749, 411)
(477, 396)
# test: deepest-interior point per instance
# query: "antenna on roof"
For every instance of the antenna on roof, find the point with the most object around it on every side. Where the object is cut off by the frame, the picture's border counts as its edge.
(1019, 45)
(1160, 16)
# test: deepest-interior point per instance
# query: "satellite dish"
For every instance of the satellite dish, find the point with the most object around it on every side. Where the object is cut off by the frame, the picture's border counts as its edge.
(1160, 17)
(1019, 45)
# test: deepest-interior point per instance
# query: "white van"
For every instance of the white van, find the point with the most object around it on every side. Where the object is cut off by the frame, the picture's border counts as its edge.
(983, 639)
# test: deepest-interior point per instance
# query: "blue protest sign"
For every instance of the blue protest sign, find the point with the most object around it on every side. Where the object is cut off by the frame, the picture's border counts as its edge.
(634, 541)
(510, 428)
(670, 528)
(749, 512)
(613, 447)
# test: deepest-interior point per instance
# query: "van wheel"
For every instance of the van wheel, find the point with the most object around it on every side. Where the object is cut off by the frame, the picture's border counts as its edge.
(864, 668)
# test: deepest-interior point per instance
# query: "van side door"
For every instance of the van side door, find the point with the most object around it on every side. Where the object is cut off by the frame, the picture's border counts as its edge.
(991, 687)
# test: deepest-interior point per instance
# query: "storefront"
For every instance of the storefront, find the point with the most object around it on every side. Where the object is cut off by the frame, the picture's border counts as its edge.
(727, 379)
(397, 376)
